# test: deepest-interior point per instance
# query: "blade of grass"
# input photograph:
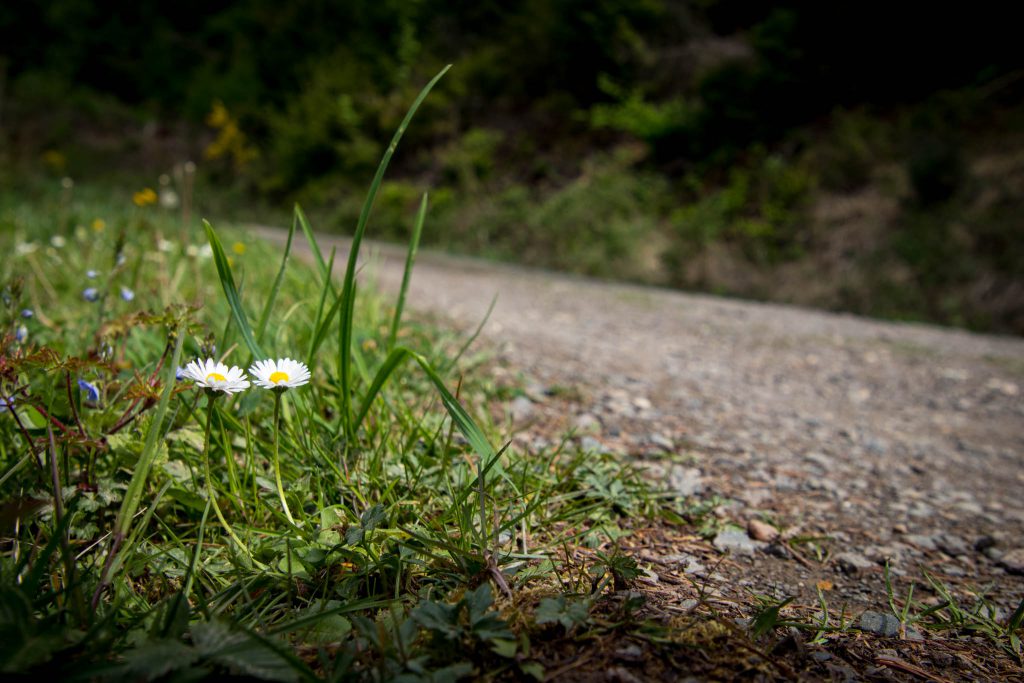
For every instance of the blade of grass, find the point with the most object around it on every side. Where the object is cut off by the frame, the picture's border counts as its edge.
(348, 285)
(325, 272)
(133, 495)
(231, 292)
(410, 259)
(319, 324)
(472, 338)
(261, 327)
(462, 419)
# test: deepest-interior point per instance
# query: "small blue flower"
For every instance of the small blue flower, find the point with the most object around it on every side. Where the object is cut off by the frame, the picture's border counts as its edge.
(127, 294)
(27, 313)
(90, 389)
(6, 404)
(179, 373)
(21, 334)
(90, 294)
(91, 274)
(120, 259)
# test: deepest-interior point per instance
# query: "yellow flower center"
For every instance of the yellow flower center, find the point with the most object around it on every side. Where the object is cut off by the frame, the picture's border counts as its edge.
(278, 377)
(216, 377)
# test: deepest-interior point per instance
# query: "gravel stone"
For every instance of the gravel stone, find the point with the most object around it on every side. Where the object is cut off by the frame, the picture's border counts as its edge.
(885, 625)
(686, 481)
(853, 563)
(737, 542)
(522, 409)
(1013, 561)
(761, 531)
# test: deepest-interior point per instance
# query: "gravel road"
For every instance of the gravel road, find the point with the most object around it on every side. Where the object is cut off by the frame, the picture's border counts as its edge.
(899, 443)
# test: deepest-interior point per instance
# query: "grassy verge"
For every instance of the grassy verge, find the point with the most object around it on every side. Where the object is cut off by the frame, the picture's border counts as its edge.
(361, 526)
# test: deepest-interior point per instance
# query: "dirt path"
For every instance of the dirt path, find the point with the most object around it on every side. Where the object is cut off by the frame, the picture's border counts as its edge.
(900, 443)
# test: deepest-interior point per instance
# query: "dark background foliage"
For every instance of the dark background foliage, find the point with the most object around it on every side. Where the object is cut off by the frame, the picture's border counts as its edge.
(715, 129)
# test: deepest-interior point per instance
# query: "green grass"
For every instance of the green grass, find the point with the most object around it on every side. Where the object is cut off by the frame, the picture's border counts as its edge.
(145, 534)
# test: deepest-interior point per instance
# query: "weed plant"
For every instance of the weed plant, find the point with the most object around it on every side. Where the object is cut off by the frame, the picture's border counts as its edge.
(360, 527)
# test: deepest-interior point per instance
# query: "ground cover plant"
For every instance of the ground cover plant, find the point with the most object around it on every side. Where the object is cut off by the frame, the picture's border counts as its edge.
(168, 515)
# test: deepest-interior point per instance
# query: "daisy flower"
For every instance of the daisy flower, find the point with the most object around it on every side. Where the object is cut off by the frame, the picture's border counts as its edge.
(216, 376)
(280, 374)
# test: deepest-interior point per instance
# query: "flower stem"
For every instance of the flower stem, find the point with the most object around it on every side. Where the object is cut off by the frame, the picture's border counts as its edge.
(209, 477)
(277, 460)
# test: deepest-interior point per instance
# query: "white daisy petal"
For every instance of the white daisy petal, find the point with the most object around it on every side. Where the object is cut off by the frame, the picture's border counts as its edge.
(211, 374)
(280, 374)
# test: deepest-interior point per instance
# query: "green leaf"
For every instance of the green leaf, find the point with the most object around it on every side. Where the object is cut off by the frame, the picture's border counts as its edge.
(156, 659)
(227, 282)
(240, 652)
(348, 288)
(568, 613)
(372, 518)
(768, 618)
(268, 307)
(442, 619)
(410, 259)
(504, 648)
(133, 496)
(533, 669)
(329, 627)
(1017, 618)
(479, 601)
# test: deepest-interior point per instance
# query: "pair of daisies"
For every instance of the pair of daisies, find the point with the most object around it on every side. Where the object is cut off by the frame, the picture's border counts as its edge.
(280, 374)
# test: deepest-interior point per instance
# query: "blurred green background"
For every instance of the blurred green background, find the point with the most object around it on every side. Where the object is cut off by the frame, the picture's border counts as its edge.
(866, 157)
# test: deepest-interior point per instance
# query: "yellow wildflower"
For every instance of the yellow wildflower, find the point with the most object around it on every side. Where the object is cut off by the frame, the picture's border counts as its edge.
(144, 197)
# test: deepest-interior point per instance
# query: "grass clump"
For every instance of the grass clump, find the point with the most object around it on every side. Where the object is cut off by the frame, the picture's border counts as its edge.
(362, 527)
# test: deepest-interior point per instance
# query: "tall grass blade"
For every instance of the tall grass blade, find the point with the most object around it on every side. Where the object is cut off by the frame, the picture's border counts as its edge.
(261, 327)
(462, 419)
(410, 260)
(472, 338)
(133, 496)
(320, 324)
(325, 272)
(227, 282)
(348, 285)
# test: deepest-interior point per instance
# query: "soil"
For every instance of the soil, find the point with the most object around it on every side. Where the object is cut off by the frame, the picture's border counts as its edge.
(827, 447)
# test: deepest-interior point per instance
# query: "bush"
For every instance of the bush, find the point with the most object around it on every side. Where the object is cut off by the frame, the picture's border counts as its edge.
(936, 169)
(760, 211)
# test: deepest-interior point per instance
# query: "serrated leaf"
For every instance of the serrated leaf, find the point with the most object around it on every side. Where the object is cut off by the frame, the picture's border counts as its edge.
(479, 601)
(354, 535)
(239, 652)
(156, 659)
(440, 618)
(568, 613)
(372, 518)
(329, 628)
